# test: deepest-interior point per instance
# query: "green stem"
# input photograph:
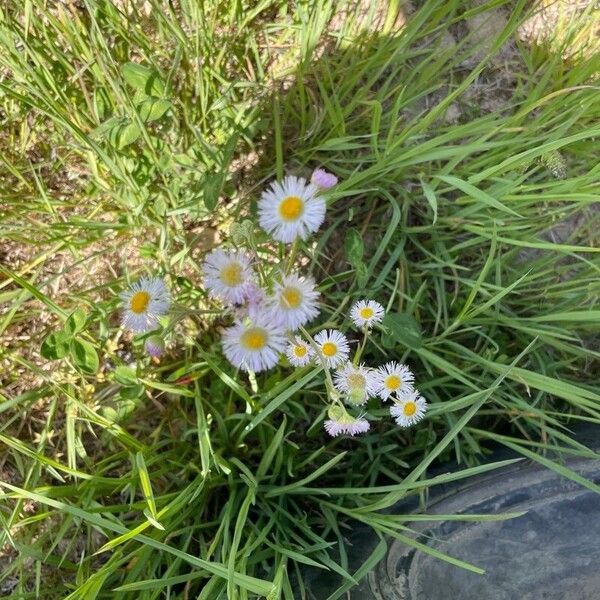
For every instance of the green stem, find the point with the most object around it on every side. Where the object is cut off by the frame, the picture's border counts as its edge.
(331, 391)
(361, 347)
(292, 257)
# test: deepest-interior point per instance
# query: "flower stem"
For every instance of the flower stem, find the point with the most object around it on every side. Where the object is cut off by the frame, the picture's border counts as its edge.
(292, 257)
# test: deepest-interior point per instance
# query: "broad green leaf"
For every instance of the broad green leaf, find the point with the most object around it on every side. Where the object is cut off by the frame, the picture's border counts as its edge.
(152, 109)
(76, 322)
(55, 346)
(85, 356)
(143, 78)
(401, 328)
(130, 392)
(124, 134)
(126, 375)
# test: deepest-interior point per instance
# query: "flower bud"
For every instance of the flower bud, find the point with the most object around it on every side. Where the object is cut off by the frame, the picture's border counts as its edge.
(154, 346)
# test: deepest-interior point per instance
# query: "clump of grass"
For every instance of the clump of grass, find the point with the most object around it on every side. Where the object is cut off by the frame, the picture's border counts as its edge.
(125, 141)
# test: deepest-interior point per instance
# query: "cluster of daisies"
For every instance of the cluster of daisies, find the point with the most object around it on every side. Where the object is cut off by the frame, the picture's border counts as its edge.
(271, 306)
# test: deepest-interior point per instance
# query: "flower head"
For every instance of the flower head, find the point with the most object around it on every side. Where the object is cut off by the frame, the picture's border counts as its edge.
(299, 352)
(144, 302)
(154, 346)
(322, 179)
(365, 313)
(409, 409)
(340, 422)
(394, 378)
(254, 304)
(333, 347)
(228, 275)
(291, 209)
(254, 346)
(358, 383)
(294, 301)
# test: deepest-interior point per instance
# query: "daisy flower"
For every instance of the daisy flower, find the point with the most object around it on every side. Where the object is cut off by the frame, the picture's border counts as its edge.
(340, 422)
(146, 301)
(254, 304)
(394, 378)
(333, 346)
(358, 383)
(254, 346)
(365, 313)
(322, 179)
(291, 209)
(409, 409)
(227, 275)
(294, 301)
(299, 352)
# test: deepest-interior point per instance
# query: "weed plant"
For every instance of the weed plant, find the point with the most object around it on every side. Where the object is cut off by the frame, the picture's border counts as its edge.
(135, 133)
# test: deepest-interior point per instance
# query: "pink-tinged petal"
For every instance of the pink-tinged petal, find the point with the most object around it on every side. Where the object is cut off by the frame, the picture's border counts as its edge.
(322, 179)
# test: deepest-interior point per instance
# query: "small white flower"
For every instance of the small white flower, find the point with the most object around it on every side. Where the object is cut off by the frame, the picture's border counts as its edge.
(294, 301)
(228, 275)
(409, 409)
(299, 352)
(254, 346)
(340, 422)
(291, 209)
(394, 378)
(365, 313)
(333, 347)
(146, 301)
(323, 179)
(358, 383)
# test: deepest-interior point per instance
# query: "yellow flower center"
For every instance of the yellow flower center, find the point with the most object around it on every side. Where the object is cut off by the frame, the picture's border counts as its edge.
(300, 351)
(329, 349)
(393, 382)
(291, 208)
(366, 312)
(410, 408)
(139, 302)
(291, 297)
(356, 380)
(254, 339)
(231, 274)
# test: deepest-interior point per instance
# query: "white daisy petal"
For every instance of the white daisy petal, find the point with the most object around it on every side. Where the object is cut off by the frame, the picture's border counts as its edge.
(365, 313)
(394, 378)
(228, 275)
(299, 352)
(409, 409)
(146, 301)
(294, 301)
(358, 383)
(333, 347)
(254, 346)
(340, 422)
(291, 209)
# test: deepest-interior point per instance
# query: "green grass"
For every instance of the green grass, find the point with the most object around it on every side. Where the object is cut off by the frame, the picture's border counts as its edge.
(186, 480)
